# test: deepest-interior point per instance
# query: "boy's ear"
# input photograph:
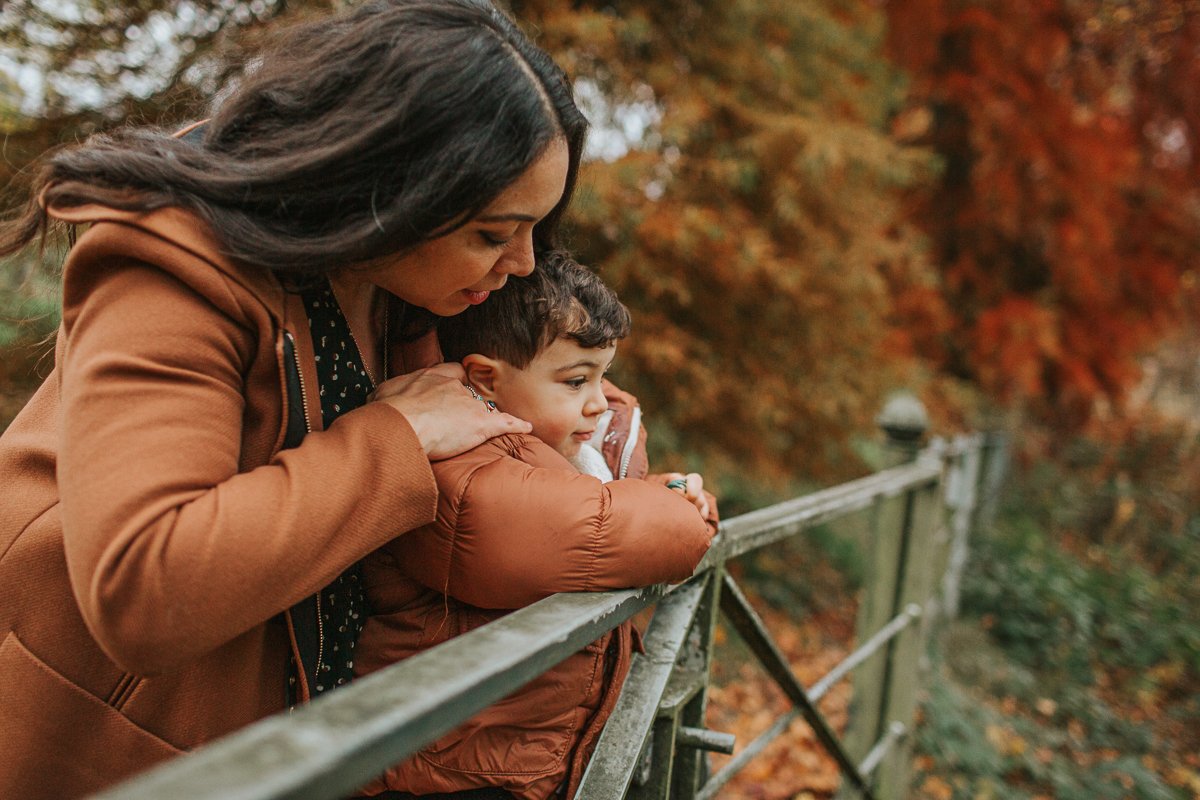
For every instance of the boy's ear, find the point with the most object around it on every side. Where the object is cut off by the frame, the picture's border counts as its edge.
(481, 373)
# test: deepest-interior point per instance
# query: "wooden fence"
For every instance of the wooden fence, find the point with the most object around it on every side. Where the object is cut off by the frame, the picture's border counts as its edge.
(915, 520)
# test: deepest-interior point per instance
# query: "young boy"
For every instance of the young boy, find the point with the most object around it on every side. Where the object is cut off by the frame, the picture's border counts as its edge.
(523, 517)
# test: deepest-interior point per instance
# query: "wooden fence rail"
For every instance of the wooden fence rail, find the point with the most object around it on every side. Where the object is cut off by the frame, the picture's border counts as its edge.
(918, 517)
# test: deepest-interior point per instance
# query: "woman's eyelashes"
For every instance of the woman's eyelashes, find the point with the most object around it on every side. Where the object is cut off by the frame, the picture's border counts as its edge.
(496, 239)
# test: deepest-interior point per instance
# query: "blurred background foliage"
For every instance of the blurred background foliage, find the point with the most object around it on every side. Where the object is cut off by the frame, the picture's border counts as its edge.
(1075, 672)
(807, 205)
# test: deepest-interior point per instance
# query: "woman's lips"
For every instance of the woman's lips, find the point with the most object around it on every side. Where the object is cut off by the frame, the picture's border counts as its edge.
(475, 298)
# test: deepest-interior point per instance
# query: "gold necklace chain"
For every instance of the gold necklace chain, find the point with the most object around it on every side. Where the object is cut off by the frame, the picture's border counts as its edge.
(362, 357)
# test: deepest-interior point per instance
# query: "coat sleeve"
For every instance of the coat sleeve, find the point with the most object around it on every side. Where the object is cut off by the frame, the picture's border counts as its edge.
(517, 526)
(171, 550)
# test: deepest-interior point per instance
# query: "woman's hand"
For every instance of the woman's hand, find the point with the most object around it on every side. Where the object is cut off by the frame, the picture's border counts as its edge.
(690, 486)
(447, 419)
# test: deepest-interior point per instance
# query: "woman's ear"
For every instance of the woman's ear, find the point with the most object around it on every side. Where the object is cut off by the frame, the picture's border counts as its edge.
(481, 373)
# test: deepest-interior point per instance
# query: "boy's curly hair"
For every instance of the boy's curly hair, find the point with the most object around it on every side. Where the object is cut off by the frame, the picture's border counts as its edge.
(559, 298)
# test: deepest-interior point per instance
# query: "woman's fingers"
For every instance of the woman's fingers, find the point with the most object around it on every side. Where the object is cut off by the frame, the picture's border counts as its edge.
(497, 423)
(450, 376)
(449, 369)
(447, 419)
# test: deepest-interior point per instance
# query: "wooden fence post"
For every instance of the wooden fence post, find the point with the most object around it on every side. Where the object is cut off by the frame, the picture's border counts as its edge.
(904, 422)
(675, 762)
(692, 671)
(906, 652)
(994, 458)
(962, 499)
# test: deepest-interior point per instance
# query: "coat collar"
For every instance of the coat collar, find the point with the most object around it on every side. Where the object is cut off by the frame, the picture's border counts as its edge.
(182, 231)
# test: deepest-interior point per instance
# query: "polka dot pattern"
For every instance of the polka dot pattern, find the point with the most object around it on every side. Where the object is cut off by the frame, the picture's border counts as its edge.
(344, 385)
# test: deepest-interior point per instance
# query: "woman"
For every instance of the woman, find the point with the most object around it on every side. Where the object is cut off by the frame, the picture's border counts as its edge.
(188, 495)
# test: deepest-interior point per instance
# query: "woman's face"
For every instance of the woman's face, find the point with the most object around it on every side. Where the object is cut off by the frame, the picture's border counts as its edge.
(451, 272)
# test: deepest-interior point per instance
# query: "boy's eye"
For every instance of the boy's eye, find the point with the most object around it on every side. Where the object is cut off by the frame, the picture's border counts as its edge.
(575, 383)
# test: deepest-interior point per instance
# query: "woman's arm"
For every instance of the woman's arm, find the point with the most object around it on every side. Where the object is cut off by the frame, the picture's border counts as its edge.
(171, 550)
(517, 523)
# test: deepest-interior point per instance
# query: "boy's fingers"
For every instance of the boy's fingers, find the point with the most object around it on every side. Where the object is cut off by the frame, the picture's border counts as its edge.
(695, 492)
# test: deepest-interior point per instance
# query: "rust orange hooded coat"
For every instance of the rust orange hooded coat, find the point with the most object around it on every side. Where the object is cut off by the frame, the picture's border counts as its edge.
(152, 532)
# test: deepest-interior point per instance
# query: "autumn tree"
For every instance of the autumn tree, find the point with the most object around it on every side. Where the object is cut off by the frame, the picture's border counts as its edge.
(68, 69)
(756, 229)
(1066, 219)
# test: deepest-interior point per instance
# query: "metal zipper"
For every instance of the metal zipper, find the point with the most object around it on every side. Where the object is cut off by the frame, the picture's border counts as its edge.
(320, 641)
(300, 375)
(630, 443)
(308, 429)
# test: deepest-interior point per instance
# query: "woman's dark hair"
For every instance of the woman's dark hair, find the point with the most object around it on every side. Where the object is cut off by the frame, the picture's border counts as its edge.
(560, 298)
(354, 138)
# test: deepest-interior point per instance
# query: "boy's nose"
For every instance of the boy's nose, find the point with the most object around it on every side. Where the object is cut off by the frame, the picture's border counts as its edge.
(596, 404)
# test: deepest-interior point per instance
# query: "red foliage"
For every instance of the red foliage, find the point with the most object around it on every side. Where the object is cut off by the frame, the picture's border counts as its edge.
(1066, 130)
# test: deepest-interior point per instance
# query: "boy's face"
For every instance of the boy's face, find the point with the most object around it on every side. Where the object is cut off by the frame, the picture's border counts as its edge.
(558, 392)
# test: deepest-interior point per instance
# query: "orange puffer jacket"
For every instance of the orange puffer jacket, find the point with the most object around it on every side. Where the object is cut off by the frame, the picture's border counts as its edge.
(517, 523)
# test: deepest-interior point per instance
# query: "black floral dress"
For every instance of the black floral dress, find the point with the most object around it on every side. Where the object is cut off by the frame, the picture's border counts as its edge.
(329, 623)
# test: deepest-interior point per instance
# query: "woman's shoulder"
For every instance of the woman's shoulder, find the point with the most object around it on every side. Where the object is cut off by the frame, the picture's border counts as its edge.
(173, 239)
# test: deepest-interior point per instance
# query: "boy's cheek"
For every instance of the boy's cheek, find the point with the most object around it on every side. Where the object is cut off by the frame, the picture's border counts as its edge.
(567, 449)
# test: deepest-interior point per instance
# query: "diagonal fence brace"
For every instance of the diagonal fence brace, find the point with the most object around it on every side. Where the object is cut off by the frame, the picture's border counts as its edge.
(752, 630)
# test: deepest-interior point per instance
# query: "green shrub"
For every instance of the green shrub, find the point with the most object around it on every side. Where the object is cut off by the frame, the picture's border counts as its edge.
(967, 742)
(1088, 587)
(1069, 616)
(29, 302)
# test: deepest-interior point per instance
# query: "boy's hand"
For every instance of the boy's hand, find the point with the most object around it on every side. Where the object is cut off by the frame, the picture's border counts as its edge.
(690, 486)
(447, 417)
